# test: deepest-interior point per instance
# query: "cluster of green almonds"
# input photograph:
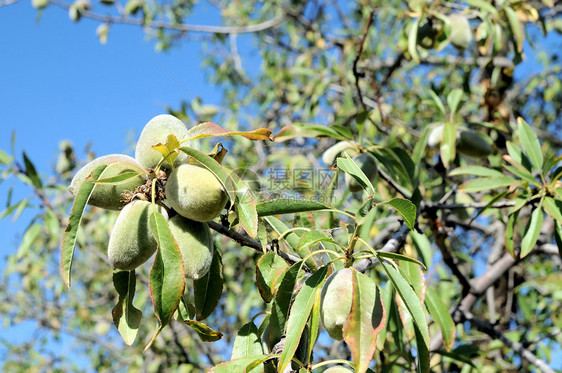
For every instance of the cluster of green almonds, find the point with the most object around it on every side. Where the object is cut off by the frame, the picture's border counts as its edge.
(193, 196)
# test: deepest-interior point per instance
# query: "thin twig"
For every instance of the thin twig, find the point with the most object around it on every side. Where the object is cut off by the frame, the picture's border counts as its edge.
(358, 56)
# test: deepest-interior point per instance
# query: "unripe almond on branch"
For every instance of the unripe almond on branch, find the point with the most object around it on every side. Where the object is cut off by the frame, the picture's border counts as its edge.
(131, 242)
(196, 245)
(155, 132)
(473, 144)
(336, 299)
(338, 369)
(195, 193)
(461, 33)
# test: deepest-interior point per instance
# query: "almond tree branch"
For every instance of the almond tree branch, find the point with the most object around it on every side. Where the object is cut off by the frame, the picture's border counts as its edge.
(124, 19)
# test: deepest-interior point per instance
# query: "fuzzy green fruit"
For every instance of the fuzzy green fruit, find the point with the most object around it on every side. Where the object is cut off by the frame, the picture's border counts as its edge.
(195, 193)
(156, 132)
(461, 33)
(196, 245)
(329, 156)
(131, 242)
(335, 304)
(368, 165)
(473, 145)
(108, 196)
(338, 369)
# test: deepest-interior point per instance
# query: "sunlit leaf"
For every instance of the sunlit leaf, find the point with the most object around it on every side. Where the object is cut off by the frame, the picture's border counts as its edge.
(126, 316)
(208, 129)
(208, 289)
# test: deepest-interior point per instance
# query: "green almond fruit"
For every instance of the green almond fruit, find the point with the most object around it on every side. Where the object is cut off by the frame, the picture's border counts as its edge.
(195, 193)
(109, 196)
(329, 156)
(461, 33)
(131, 242)
(196, 245)
(335, 303)
(368, 165)
(155, 132)
(472, 144)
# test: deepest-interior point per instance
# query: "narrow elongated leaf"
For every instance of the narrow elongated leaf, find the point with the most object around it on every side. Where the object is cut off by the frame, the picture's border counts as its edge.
(5, 159)
(209, 129)
(395, 256)
(440, 314)
(313, 237)
(486, 183)
(31, 172)
(516, 28)
(314, 326)
(350, 167)
(558, 236)
(406, 209)
(413, 40)
(69, 239)
(119, 179)
(532, 232)
(268, 271)
(208, 289)
(413, 273)
(365, 321)
(311, 130)
(238, 365)
(282, 304)
(448, 147)
(126, 316)
(484, 6)
(299, 315)
(423, 351)
(437, 101)
(423, 246)
(554, 208)
(245, 206)
(205, 333)
(453, 100)
(411, 300)
(288, 206)
(530, 142)
(291, 239)
(510, 231)
(167, 279)
(28, 238)
(476, 171)
(247, 343)
(419, 149)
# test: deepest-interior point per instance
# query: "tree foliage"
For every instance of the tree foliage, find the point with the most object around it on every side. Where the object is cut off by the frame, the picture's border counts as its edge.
(452, 243)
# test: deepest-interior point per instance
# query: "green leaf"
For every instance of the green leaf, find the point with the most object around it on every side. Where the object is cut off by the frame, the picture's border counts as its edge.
(558, 236)
(282, 304)
(516, 28)
(448, 145)
(483, 6)
(406, 209)
(238, 365)
(476, 171)
(268, 270)
(411, 300)
(395, 256)
(423, 246)
(413, 273)
(486, 183)
(288, 206)
(313, 237)
(216, 169)
(532, 232)
(205, 333)
(311, 130)
(350, 167)
(69, 240)
(437, 102)
(5, 159)
(423, 351)
(278, 226)
(299, 315)
(365, 321)
(419, 149)
(440, 314)
(530, 142)
(209, 129)
(413, 40)
(119, 179)
(126, 316)
(167, 278)
(456, 356)
(314, 326)
(453, 100)
(245, 206)
(32, 173)
(247, 343)
(553, 207)
(28, 239)
(510, 231)
(208, 289)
